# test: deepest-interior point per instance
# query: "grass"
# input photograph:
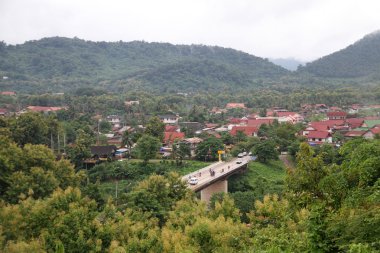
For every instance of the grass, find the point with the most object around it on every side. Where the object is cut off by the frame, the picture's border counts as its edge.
(273, 171)
(191, 166)
(260, 178)
(108, 188)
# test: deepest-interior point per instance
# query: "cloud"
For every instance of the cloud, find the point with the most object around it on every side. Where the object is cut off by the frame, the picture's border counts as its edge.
(289, 28)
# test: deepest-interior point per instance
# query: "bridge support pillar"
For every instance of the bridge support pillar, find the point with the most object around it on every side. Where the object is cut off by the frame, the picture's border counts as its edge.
(219, 186)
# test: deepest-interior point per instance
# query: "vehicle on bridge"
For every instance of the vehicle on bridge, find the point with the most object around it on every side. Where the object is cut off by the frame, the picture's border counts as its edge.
(193, 181)
(239, 161)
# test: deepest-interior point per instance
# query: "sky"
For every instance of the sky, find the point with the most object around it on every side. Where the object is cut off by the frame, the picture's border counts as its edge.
(301, 29)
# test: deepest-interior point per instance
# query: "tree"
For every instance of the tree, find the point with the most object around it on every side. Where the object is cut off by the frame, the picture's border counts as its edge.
(105, 126)
(147, 147)
(240, 136)
(156, 128)
(81, 149)
(303, 182)
(157, 195)
(30, 128)
(208, 149)
(181, 150)
(265, 151)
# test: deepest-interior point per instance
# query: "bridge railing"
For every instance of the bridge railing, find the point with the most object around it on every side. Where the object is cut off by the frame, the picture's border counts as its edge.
(211, 166)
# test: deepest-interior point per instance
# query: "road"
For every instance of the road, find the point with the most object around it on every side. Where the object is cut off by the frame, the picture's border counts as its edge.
(221, 169)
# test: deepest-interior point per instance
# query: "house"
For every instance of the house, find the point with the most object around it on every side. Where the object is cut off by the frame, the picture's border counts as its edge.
(371, 133)
(211, 125)
(3, 112)
(171, 128)
(314, 126)
(332, 124)
(191, 127)
(193, 144)
(169, 119)
(370, 123)
(115, 140)
(354, 122)
(259, 121)
(353, 134)
(237, 121)
(321, 108)
(235, 106)
(44, 109)
(335, 109)
(132, 102)
(171, 137)
(103, 153)
(319, 137)
(337, 115)
(114, 119)
(216, 110)
(290, 117)
(354, 109)
(247, 130)
(8, 93)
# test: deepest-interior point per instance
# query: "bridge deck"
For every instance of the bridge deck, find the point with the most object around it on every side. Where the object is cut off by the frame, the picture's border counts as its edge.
(221, 169)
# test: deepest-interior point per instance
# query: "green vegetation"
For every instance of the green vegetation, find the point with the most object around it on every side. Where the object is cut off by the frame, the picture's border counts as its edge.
(128, 173)
(360, 59)
(121, 65)
(329, 203)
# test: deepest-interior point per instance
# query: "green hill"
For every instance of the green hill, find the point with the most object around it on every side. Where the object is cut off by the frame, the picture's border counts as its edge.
(63, 63)
(361, 59)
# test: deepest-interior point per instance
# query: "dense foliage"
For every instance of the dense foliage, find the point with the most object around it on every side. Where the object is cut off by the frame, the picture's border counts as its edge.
(62, 63)
(324, 208)
(360, 59)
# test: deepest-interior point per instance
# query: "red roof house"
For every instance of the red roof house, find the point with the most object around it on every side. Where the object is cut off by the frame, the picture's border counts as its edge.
(44, 108)
(247, 130)
(337, 115)
(170, 128)
(319, 137)
(258, 122)
(355, 122)
(8, 93)
(170, 137)
(235, 106)
(352, 134)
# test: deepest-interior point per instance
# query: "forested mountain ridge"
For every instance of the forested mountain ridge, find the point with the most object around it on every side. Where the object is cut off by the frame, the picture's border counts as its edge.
(149, 64)
(361, 59)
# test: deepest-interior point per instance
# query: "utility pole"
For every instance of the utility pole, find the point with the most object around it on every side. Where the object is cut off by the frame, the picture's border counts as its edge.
(64, 142)
(51, 142)
(59, 146)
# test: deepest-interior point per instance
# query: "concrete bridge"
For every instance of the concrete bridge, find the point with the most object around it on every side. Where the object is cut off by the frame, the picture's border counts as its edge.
(213, 178)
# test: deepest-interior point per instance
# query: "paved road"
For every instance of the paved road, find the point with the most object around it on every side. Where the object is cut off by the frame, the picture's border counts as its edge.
(220, 168)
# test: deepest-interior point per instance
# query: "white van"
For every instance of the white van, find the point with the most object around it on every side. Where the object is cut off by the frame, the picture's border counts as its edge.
(193, 181)
(240, 155)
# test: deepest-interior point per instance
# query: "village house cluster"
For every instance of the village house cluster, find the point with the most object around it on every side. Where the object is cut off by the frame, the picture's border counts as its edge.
(335, 126)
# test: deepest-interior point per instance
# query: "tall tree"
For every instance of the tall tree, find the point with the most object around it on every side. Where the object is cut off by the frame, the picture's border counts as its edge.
(156, 128)
(147, 147)
(30, 128)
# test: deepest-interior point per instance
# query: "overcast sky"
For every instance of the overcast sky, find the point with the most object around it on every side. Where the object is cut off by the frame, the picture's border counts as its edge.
(303, 29)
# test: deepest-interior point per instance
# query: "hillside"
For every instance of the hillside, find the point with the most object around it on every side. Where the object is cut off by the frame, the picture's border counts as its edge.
(62, 62)
(361, 59)
(287, 63)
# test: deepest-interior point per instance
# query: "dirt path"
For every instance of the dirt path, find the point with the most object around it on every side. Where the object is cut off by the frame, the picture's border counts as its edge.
(288, 163)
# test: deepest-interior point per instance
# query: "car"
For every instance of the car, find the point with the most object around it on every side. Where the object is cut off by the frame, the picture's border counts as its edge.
(193, 181)
(239, 161)
(244, 153)
(240, 155)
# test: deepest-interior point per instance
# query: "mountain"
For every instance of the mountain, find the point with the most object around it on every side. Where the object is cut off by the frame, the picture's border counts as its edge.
(287, 63)
(361, 59)
(65, 63)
